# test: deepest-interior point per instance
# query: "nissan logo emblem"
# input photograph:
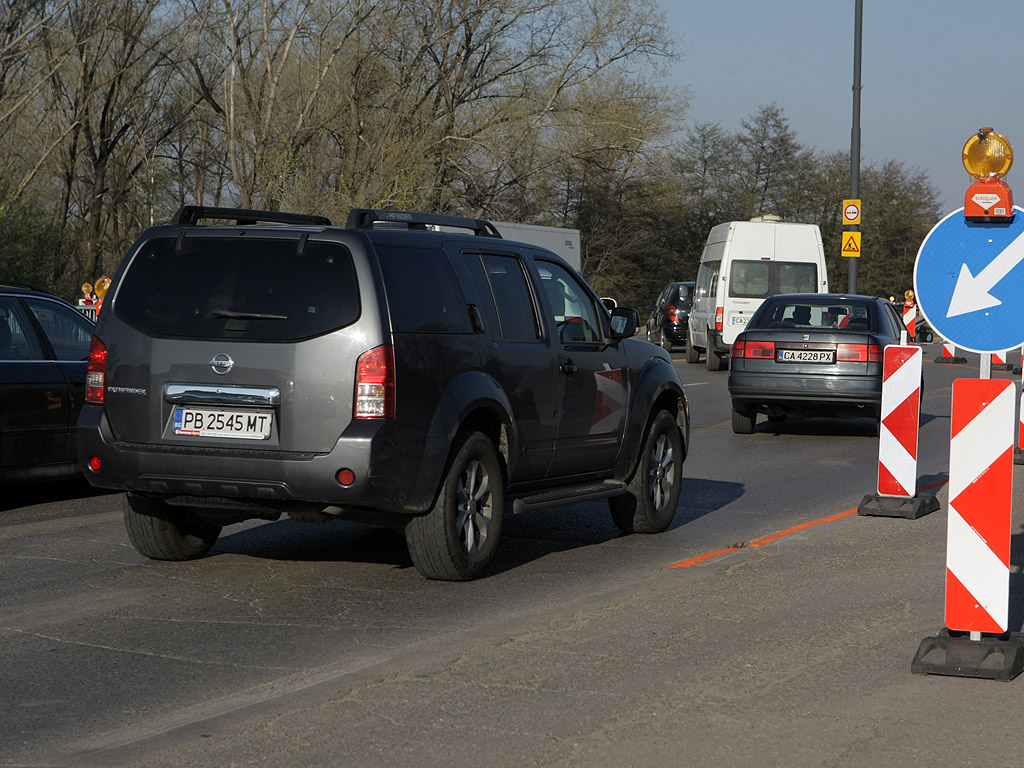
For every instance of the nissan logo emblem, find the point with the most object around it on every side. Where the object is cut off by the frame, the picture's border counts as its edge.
(221, 363)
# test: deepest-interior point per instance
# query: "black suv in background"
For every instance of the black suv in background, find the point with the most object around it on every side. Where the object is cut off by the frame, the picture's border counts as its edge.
(44, 346)
(670, 316)
(249, 364)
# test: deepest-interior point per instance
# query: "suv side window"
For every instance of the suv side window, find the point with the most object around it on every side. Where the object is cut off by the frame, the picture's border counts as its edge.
(575, 315)
(423, 292)
(506, 300)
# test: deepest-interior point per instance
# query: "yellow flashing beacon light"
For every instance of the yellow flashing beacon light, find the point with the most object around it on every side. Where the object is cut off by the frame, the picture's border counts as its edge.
(988, 157)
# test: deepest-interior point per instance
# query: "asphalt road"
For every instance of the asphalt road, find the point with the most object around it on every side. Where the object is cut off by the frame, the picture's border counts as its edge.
(766, 627)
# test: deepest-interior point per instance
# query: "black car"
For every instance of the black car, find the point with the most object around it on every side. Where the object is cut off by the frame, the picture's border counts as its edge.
(670, 316)
(811, 354)
(382, 372)
(44, 349)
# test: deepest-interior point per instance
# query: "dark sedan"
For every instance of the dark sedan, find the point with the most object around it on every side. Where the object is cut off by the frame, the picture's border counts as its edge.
(670, 316)
(814, 354)
(44, 348)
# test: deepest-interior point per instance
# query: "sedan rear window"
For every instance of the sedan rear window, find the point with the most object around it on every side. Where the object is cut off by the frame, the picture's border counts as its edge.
(815, 316)
(251, 289)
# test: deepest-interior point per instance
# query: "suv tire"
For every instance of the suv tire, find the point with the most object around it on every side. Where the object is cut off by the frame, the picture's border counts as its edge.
(456, 540)
(653, 496)
(162, 532)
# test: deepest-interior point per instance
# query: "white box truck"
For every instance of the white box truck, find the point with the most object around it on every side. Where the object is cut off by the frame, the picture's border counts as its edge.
(564, 242)
(743, 263)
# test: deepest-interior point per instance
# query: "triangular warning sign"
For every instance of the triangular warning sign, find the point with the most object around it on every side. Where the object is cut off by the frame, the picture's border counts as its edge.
(852, 243)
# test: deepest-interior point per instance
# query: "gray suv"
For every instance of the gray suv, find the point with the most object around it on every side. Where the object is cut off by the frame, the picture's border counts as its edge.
(406, 370)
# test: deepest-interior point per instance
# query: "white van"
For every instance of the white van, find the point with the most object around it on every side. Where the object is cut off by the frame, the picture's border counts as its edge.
(743, 263)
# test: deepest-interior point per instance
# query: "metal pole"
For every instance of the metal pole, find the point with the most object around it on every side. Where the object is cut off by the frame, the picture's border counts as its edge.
(855, 133)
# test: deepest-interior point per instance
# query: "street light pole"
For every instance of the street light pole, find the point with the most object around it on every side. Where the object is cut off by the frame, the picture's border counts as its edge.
(855, 133)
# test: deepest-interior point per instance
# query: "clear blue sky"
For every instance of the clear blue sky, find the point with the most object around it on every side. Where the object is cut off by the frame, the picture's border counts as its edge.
(932, 73)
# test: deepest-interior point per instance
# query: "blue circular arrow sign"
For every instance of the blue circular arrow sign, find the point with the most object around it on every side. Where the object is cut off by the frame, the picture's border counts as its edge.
(969, 282)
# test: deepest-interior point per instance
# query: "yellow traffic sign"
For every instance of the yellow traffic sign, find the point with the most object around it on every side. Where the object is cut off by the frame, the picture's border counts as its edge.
(851, 244)
(851, 213)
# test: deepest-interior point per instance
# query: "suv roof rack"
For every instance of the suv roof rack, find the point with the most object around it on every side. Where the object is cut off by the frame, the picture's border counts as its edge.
(364, 218)
(189, 215)
(19, 284)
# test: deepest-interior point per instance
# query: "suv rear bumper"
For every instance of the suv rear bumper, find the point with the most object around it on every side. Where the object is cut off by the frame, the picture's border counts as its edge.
(267, 479)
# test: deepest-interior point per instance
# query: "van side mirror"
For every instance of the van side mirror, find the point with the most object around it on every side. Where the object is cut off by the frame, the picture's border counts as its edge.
(624, 322)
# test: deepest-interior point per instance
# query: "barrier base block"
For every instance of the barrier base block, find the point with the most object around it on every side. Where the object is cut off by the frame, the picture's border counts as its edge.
(1018, 456)
(993, 657)
(953, 360)
(911, 507)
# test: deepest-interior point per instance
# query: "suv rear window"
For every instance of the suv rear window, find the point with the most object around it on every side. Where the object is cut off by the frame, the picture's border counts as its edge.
(233, 288)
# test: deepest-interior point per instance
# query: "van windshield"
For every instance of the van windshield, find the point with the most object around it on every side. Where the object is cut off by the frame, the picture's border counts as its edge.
(761, 279)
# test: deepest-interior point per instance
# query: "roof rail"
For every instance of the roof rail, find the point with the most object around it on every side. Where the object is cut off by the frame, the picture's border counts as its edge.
(189, 215)
(19, 284)
(364, 218)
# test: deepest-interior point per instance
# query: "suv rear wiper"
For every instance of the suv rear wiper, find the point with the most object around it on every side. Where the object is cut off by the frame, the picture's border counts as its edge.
(231, 314)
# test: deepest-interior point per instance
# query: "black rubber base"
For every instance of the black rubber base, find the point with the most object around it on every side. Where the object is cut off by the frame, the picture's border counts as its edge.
(1018, 456)
(956, 360)
(993, 657)
(896, 506)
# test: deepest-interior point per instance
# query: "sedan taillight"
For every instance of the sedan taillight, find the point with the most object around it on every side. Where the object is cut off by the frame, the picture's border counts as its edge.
(754, 350)
(858, 353)
(375, 384)
(96, 373)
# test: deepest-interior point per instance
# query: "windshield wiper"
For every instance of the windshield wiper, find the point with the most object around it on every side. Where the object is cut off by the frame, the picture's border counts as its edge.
(232, 315)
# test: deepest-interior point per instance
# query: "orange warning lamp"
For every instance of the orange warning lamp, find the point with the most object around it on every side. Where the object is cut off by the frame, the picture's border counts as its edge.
(988, 157)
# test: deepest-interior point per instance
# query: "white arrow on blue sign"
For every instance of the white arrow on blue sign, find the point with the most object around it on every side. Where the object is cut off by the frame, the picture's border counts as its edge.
(969, 282)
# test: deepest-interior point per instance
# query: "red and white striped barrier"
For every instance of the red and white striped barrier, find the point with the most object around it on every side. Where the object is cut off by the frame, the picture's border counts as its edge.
(980, 495)
(901, 409)
(910, 316)
(948, 349)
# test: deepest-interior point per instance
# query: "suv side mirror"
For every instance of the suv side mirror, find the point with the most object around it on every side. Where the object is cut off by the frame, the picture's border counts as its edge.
(624, 322)
(925, 337)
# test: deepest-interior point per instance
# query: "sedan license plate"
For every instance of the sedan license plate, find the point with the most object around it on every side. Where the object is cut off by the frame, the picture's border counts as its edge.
(806, 356)
(244, 425)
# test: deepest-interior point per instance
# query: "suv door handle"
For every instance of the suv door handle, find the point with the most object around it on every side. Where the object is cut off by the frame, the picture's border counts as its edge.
(567, 366)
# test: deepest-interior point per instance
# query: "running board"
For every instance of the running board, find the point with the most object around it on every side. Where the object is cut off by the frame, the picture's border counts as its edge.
(571, 494)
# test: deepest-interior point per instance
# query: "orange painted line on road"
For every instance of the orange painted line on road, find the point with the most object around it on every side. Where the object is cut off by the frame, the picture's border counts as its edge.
(771, 538)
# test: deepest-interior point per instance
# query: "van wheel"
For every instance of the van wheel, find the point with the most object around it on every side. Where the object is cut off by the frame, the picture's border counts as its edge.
(743, 419)
(456, 540)
(653, 495)
(692, 353)
(163, 532)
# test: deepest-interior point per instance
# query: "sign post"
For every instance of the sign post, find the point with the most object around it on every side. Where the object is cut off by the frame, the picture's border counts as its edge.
(968, 287)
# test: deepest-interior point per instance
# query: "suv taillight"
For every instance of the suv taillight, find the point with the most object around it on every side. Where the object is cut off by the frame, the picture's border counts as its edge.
(375, 384)
(96, 375)
(719, 318)
(672, 312)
